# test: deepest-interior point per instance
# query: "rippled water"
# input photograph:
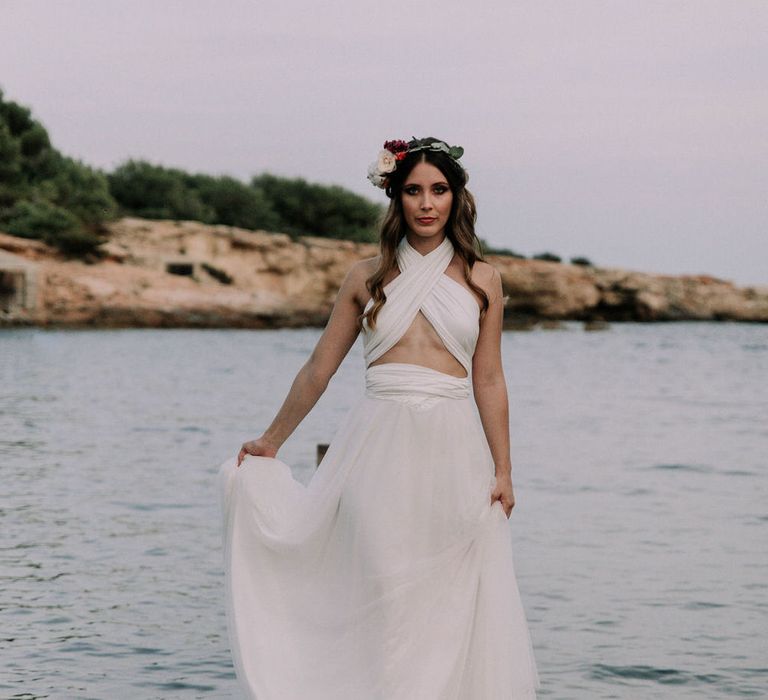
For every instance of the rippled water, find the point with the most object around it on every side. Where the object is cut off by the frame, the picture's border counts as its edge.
(639, 531)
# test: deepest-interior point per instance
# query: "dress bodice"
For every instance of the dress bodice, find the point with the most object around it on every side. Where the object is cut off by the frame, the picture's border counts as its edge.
(422, 285)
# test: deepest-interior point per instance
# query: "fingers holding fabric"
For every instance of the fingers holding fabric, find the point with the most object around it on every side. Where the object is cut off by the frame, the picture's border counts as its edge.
(503, 492)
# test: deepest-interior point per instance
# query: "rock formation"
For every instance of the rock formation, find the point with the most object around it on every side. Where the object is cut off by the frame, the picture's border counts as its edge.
(187, 274)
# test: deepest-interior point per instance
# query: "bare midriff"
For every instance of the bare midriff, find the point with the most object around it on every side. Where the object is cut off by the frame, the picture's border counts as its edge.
(421, 345)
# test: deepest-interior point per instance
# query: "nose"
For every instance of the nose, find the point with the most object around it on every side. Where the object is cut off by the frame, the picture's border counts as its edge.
(426, 202)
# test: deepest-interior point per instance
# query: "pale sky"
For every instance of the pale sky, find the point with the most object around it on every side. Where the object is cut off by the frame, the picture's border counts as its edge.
(634, 133)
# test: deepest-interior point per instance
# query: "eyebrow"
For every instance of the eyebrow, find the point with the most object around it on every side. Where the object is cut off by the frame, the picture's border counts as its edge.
(416, 184)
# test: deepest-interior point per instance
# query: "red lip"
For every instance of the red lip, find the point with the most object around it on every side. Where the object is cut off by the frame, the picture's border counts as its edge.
(426, 219)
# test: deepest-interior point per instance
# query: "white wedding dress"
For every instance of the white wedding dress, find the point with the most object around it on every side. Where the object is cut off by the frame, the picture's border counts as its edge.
(390, 575)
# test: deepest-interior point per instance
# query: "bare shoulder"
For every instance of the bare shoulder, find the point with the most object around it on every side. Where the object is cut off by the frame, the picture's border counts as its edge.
(368, 266)
(357, 276)
(363, 269)
(486, 276)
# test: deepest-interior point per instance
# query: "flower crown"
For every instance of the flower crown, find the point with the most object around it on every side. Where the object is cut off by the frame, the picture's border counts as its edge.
(395, 151)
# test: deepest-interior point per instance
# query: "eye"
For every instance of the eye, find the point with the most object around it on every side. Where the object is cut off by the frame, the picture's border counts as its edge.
(411, 189)
(439, 189)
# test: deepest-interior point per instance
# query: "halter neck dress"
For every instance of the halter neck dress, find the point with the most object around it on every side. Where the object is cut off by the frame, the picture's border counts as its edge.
(389, 576)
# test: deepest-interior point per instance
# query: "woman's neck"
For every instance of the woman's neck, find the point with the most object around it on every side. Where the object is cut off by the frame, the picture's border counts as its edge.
(425, 244)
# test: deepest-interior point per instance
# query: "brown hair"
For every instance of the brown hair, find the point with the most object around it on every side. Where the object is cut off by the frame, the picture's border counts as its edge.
(460, 228)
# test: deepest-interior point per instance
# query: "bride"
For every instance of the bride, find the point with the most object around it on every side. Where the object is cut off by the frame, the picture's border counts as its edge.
(390, 575)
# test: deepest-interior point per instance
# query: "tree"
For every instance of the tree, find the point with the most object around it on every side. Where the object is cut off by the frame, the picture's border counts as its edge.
(44, 194)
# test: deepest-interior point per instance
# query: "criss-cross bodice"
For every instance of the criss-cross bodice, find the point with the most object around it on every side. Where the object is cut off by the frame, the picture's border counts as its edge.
(422, 285)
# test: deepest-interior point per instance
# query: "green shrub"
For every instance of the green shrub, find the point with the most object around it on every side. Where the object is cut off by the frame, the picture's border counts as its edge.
(77, 242)
(154, 192)
(488, 249)
(319, 210)
(236, 204)
(44, 194)
(50, 223)
(82, 191)
(37, 220)
(12, 185)
(548, 256)
(26, 153)
(34, 141)
(579, 260)
(273, 203)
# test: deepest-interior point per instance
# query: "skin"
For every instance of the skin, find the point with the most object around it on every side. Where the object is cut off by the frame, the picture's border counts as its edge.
(425, 194)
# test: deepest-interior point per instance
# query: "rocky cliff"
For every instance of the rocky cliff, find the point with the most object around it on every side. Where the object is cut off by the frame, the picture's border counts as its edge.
(186, 274)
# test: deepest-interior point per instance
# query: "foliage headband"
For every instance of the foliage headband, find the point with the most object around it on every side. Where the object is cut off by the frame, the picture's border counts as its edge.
(395, 151)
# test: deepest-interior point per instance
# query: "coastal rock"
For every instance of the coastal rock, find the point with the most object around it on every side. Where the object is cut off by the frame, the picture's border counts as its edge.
(187, 274)
(544, 289)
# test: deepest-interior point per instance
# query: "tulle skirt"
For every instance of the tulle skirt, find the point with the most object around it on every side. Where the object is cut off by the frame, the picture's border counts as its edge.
(389, 576)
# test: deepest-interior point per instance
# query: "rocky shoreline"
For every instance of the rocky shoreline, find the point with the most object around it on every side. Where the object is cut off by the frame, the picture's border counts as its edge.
(190, 275)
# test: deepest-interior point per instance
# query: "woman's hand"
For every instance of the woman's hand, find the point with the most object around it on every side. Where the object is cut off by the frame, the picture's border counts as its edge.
(503, 492)
(261, 447)
(312, 379)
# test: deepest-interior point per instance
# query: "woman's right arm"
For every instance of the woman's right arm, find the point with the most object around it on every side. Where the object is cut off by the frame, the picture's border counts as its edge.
(339, 335)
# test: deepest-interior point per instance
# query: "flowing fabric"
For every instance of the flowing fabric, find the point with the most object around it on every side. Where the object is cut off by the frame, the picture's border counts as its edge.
(390, 575)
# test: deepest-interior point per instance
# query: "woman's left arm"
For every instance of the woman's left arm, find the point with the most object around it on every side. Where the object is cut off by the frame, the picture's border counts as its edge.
(490, 390)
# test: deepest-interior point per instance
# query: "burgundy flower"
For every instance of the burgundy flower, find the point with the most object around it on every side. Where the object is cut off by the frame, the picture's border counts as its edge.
(396, 146)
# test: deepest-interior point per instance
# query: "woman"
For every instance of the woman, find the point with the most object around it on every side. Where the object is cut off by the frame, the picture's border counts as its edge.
(390, 575)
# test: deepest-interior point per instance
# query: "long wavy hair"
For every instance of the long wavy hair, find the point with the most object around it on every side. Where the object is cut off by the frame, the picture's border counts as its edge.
(460, 228)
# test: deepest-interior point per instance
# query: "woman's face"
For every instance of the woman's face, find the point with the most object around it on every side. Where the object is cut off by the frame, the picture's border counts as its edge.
(426, 199)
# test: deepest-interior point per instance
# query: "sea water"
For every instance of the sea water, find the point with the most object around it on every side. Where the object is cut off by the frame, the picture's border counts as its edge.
(639, 531)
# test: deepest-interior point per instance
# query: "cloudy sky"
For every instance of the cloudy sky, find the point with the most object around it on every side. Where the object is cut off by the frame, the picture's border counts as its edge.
(631, 132)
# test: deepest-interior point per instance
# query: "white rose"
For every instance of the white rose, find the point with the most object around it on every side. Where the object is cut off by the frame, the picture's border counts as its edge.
(375, 176)
(387, 161)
